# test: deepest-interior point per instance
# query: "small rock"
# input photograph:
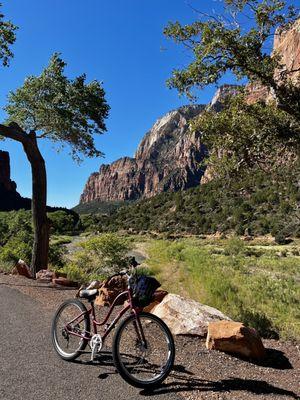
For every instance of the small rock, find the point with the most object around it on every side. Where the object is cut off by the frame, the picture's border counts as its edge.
(185, 316)
(234, 337)
(21, 268)
(64, 282)
(45, 276)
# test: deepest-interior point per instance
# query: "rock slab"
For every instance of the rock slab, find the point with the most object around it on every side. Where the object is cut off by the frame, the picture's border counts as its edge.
(236, 338)
(186, 317)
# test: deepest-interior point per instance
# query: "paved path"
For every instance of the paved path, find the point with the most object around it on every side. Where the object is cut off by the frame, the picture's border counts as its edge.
(29, 368)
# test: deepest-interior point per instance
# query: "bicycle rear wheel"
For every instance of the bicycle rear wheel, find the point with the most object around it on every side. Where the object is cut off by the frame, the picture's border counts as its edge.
(143, 364)
(71, 319)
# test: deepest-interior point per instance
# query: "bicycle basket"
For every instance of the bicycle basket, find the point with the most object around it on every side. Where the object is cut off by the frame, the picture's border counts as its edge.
(143, 290)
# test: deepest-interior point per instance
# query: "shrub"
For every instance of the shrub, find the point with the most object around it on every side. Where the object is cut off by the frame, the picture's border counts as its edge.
(101, 256)
(280, 238)
(234, 247)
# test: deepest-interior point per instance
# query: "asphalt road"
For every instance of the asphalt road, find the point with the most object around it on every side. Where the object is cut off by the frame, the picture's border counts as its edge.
(30, 369)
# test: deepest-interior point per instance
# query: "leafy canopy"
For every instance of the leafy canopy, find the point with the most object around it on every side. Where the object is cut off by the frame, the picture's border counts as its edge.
(221, 44)
(249, 136)
(7, 39)
(60, 109)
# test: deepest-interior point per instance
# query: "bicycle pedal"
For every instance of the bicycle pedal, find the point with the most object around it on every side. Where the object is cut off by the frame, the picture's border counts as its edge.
(96, 345)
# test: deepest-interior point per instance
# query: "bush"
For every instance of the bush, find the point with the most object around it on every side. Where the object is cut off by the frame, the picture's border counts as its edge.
(234, 247)
(100, 256)
(280, 238)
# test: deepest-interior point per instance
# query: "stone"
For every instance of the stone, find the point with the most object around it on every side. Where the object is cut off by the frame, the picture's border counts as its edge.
(110, 289)
(158, 297)
(236, 338)
(186, 317)
(64, 282)
(45, 276)
(21, 268)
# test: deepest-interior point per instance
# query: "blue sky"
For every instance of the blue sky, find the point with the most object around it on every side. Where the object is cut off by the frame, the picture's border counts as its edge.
(119, 42)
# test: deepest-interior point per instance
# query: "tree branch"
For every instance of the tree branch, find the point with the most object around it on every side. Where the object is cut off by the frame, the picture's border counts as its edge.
(13, 131)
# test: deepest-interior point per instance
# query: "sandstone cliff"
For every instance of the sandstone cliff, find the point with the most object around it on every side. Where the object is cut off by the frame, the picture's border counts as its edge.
(10, 199)
(168, 158)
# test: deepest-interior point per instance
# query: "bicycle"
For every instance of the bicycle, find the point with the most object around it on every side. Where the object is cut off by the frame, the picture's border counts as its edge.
(143, 347)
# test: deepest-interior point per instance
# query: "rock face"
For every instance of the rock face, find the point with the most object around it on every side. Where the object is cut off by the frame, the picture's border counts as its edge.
(186, 317)
(167, 159)
(234, 337)
(287, 45)
(10, 199)
(5, 182)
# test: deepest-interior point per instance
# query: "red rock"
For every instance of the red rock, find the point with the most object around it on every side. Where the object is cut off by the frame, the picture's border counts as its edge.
(167, 159)
(21, 268)
(64, 282)
(157, 298)
(110, 289)
(45, 275)
(236, 338)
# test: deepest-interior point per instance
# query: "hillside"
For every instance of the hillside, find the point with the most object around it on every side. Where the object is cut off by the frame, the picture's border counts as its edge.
(257, 204)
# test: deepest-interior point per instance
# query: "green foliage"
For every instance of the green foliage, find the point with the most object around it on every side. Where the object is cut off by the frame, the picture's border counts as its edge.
(63, 110)
(7, 39)
(256, 136)
(261, 290)
(100, 256)
(255, 203)
(222, 43)
(16, 239)
(98, 207)
(62, 222)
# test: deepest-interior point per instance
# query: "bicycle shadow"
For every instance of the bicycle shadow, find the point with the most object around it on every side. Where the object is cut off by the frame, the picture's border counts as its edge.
(183, 380)
(255, 387)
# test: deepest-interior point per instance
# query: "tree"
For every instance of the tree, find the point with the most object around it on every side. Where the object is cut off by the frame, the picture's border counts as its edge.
(243, 137)
(7, 39)
(50, 106)
(221, 44)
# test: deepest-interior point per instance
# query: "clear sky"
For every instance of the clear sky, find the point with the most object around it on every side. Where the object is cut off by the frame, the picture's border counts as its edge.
(119, 42)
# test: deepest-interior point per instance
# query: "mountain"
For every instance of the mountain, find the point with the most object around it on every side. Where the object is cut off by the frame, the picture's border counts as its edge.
(10, 199)
(167, 159)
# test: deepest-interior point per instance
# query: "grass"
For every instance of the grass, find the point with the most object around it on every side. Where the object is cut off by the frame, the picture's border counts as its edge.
(255, 284)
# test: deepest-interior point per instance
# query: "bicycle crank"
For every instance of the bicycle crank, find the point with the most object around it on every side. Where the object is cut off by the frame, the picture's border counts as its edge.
(96, 345)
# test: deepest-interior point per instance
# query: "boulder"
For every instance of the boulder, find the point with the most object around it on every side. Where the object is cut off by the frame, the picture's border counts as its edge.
(186, 317)
(158, 297)
(21, 268)
(45, 276)
(110, 289)
(236, 338)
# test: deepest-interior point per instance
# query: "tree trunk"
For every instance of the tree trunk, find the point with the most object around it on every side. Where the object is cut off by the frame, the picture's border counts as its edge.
(39, 204)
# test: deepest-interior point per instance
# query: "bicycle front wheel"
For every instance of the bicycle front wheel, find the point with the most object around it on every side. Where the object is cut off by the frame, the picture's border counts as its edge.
(143, 352)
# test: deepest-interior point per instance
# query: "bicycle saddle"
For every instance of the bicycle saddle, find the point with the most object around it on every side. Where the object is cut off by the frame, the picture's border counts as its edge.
(89, 294)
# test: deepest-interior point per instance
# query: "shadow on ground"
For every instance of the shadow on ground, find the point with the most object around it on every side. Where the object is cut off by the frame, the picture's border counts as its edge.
(182, 380)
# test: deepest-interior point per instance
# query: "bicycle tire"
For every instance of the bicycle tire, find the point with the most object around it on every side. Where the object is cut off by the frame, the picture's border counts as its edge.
(119, 364)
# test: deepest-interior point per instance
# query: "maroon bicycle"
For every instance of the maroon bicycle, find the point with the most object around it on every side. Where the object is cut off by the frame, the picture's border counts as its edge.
(143, 347)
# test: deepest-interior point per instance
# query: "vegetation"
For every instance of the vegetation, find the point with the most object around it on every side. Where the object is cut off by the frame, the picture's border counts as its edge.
(50, 106)
(254, 284)
(99, 207)
(16, 240)
(225, 43)
(98, 257)
(257, 204)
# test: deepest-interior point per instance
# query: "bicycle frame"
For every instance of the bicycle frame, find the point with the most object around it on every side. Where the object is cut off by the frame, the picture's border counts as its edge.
(96, 324)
